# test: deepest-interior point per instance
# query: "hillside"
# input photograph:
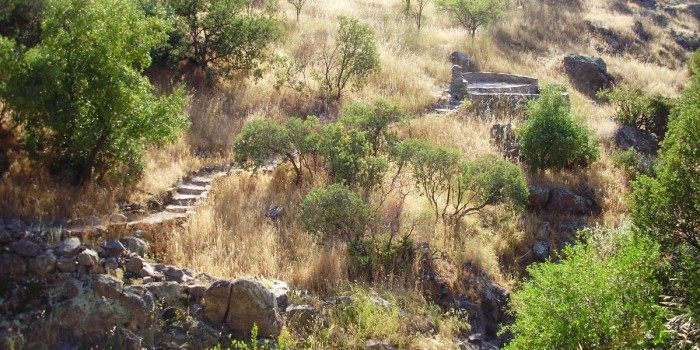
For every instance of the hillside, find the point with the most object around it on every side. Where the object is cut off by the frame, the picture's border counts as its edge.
(395, 208)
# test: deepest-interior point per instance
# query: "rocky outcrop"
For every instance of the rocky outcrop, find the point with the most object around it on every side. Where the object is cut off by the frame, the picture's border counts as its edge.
(464, 61)
(561, 201)
(641, 140)
(587, 74)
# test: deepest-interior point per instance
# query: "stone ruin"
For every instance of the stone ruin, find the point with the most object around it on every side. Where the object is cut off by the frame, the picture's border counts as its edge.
(486, 90)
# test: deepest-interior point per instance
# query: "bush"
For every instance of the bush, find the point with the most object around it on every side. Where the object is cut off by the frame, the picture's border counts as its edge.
(335, 212)
(636, 109)
(551, 138)
(380, 256)
(474, 14)
(602, 296)
(634, 163)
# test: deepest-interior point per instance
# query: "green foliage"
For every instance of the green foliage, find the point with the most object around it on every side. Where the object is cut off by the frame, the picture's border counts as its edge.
(20, 20)
(80, 93)
(474, 14)
(636, 109)
(261, 141)
(456, 187)
(298, 5)
(694, 64)
(374, 120)
(365, 318)
(634, 163)
(380, 256)
(224, 34)
(551, 138)
(602, 296)
(349, 59)
(335, 211)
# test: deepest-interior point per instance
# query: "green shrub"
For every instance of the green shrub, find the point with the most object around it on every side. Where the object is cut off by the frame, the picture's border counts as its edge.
(602, 296)
(634, 163)
(380, 256)
(636, 109)
(335, 211)
(551, 138)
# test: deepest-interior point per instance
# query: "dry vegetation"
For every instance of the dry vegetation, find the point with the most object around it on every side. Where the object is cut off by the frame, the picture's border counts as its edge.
(230, 236)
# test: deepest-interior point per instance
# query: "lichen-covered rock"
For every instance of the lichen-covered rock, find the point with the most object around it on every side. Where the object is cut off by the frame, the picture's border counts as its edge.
(541, 250)
(114, 247)
(170, 293)
(88, 259)
(538, 197)
(564, 201)
(642, 141)
(43, 263)
(305, 318)
(136, 245)
(68, 247)
(588, 74)
(13, 265)
(241, 303)
(25, 247)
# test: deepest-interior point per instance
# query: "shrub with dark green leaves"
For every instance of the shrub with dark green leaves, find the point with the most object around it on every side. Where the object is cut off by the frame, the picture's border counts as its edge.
(335, 211)
(602, 296)
(380, 256)
(636, 109)
(634, 163)
(551, 138)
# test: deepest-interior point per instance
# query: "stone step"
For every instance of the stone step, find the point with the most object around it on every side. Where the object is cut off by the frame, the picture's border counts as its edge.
(192, 189)
(185, 209)
(187, 199)
(159, 218)
(206, 179)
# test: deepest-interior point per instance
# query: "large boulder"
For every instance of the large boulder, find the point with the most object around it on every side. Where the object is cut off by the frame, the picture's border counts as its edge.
(463, 60)
(241, 303)
(641, 140)
(564, 201)
(588, 74)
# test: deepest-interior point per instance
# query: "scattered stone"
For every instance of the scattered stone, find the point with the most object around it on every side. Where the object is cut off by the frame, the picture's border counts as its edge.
(538, 197)
(69, 247)
(588, 74)
(572, 227)
(564, 201)
(541, 250)
(12, 264)
(306, 318)
(89, 259)
(169, 292)
(641, 140)
(274, 212)
(241, 303)
(136, 244)
(544, 231)
(379, 345)
(280, 290)
(25, 247)
(641, 32)
(66, 264)
(687, 40)
(464, 61)
(135, 264)
(43, 264)
(114, 247)
(173, 274)
(650, 4)
(117, 219)
(381, 302)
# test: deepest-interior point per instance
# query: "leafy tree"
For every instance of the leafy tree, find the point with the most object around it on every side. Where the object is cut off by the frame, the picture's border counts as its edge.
(374, 120)
(602, 296)
(456, 187)
(551, 138)
(225, 33)
(80, 93)
(349, 59)
(21, 20)
(298, 5)
(474, 14)
(335, 211)
(260, 141)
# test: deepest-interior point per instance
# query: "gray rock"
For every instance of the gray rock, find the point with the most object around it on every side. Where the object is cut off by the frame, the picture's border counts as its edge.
(111, 263)
(274, 212)
(538, 197)
(170, 293)
(458, 86)
(66, 264)
(563, 201)
(173, 273)
(136, 245)
(572, 227)
(641, 140)
(651, 4)
(687, 40)
(69, 247)
(373, 344)
(114, 247)
(541, 250)
(5, 237)
(134, 265)
(464, 61)
(306, 318)
(25, 247)
(588, 74)
(43, 264)
(12, 264)
(16, 226)
(693, 10)
(248, 303)
(89, 259)
(148, 271)
(641, 32)
(544, 231)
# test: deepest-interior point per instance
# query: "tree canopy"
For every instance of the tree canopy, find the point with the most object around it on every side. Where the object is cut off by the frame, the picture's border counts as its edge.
(80, 93)
(474, 14)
